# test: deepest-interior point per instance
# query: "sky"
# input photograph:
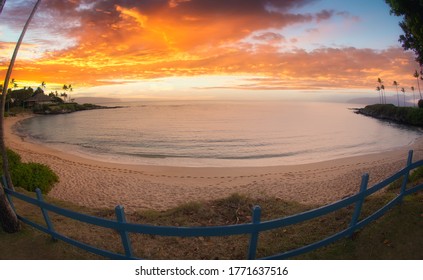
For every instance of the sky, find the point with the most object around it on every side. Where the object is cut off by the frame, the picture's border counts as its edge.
(207, 49)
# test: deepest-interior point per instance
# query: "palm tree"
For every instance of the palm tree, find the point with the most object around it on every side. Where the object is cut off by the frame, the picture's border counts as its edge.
(43, 85)
(2, 2)
(64, 94)
(403, 91)
(414, 97)
(379, 80)
(70, 90)
(396, 86)
(8, 219)
(14, 84)
(416, 75)
(382, 88)
(380, 96)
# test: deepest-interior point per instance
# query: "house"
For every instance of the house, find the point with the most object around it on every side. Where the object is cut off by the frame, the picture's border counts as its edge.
(39, 98)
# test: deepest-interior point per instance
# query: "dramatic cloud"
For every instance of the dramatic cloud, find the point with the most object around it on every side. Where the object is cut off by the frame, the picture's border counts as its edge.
(92, 41)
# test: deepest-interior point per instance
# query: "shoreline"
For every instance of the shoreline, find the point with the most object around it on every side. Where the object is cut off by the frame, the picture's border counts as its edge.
(97, 184)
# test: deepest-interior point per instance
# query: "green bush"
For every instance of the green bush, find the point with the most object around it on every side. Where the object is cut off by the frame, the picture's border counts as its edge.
(14, 158)
(30, 176)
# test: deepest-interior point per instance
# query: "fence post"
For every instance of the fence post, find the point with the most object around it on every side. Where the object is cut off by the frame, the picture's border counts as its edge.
(252, 248)
(45, 214)
(120, 214)
(359, 203)
(405, 180)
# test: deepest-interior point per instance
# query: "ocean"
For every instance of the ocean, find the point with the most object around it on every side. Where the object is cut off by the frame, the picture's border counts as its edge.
(218, 133)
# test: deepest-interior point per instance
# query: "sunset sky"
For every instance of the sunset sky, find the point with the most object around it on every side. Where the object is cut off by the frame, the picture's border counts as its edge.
(207, 49)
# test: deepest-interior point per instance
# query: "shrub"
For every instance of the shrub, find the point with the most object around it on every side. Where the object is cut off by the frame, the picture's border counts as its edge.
(31, 176)
(420, 103)
(14, 158)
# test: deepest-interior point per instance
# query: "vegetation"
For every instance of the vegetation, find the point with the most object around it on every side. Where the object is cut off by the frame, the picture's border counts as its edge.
(38, 102)
(412, 25)
(64, 108)
(404, 115)
(30, 176)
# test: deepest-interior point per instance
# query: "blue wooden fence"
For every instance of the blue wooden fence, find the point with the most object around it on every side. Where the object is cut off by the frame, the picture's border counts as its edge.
(253, 229)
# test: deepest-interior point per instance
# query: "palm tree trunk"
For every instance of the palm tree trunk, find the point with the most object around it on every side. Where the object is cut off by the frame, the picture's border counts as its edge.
(2, 2)
(384, 97)
(397, 96)
(418, 84)
(8, 218)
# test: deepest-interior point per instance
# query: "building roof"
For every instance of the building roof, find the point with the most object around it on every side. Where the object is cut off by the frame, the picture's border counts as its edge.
(39, 97)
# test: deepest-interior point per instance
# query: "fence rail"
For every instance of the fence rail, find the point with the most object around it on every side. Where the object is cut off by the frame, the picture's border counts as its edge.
(253, 229)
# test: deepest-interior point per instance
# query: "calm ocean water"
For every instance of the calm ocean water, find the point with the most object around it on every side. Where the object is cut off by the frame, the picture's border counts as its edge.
(188, 133)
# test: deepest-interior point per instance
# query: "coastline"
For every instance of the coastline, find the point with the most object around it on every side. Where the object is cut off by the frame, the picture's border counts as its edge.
(97, 184)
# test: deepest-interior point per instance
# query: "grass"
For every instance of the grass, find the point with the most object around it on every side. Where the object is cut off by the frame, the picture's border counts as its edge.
(397, 235)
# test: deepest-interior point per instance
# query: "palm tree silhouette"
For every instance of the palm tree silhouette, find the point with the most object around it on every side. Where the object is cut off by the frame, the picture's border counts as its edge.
(380, 96)
(65, 95)
(382, 88)
(14, 84)
(414, 97)
(403, 91)
(396, 86)
(416, 75)
(10, 222)
(2, 2)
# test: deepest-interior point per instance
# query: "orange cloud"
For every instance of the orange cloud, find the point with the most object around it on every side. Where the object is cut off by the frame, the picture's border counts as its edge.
(148, 39)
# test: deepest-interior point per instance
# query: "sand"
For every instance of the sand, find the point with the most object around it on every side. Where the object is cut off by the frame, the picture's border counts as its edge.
(97, 184)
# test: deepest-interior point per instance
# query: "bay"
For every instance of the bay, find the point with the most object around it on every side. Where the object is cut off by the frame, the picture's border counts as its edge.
(218, 133)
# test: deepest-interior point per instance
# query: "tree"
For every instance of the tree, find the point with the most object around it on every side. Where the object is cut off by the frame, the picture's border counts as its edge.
(414, 97)
(382, 90)
(14, 84)
(396, 86)
(403, 91)
(416, 75)
(412, 12)
(2, 2)
(66, 88)
(8, 219)
(64, 94)
(380, 96)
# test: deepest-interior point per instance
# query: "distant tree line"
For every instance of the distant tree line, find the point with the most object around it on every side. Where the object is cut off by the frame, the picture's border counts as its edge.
(17, 97)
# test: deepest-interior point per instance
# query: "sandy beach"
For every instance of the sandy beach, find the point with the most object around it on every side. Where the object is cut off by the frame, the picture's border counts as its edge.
(98, 184)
